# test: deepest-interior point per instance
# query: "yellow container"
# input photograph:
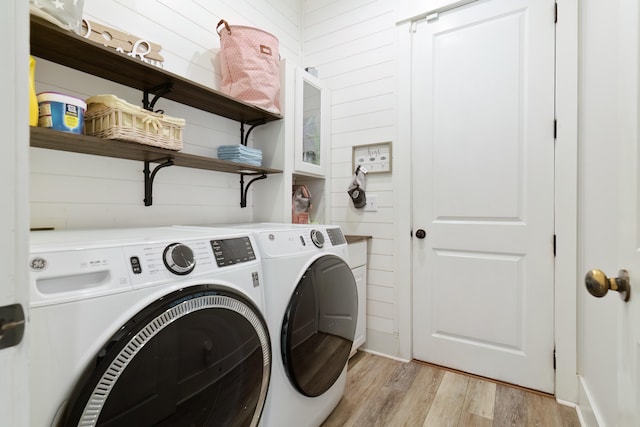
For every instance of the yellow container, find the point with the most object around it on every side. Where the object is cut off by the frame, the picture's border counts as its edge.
(33, 100)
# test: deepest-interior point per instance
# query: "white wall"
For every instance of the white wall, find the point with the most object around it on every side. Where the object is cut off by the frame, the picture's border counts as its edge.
(79, 191)
(353, 45)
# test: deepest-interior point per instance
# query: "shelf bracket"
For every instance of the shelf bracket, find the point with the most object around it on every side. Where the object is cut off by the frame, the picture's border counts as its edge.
(158, 92)
(244, 190)
(149, 177)
(244, 138)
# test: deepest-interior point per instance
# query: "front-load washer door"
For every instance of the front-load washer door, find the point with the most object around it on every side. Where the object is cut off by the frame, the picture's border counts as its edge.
(319, 326)
(200, 356)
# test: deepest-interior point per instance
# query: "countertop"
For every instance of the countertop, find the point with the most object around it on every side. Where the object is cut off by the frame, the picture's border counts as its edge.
(354, 238)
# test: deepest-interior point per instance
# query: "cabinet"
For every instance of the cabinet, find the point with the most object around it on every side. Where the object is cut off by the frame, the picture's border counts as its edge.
(312, 118)
(357, 248)
(311, 142)
(68, 49)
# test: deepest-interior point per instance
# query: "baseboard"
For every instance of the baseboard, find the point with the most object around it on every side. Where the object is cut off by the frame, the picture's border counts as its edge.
(377, 353)
(587, 410)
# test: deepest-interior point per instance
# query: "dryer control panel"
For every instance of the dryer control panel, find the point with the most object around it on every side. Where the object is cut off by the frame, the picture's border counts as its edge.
(297, 241)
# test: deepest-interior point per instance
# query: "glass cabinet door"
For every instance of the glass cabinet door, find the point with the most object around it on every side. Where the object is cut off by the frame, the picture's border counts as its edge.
(311, 119)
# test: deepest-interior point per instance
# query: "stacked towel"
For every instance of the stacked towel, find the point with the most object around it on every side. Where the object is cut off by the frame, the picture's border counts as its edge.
(240, 154)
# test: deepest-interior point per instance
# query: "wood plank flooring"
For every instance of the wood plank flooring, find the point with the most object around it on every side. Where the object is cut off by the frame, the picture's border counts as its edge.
(384, 392)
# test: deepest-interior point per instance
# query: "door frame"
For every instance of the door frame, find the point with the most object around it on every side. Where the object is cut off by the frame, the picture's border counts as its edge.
(14, 219)
(566, 197)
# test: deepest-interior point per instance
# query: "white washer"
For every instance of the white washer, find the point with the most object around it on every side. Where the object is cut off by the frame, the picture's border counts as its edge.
(156, 326)
(311, 306)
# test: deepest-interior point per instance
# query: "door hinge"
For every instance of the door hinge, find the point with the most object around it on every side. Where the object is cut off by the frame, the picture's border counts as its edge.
(555, 128)
(555, 13)
(554, 359)
(554, 245)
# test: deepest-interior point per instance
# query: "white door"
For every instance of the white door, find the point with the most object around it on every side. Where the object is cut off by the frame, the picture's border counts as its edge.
(628, 375)
(14, 28)
(483, 159)
(609, 233)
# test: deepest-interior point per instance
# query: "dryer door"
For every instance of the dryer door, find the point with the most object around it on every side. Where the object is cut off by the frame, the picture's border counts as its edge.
(319, 325)
(199, 356)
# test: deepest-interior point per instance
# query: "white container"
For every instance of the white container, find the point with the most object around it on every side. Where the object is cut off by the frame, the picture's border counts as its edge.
(61, 112)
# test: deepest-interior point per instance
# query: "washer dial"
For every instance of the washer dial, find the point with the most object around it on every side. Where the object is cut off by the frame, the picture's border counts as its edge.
(317, 238)
(179, 258)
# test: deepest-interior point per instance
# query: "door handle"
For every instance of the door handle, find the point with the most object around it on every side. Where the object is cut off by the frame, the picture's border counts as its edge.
(421, 234)
(11, 325)
(598, 284)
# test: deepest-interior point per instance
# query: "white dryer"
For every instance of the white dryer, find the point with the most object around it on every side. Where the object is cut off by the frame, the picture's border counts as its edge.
(311, 306)
(156, 326)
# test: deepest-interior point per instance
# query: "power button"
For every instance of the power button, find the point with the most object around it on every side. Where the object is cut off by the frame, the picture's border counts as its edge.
(135, 265)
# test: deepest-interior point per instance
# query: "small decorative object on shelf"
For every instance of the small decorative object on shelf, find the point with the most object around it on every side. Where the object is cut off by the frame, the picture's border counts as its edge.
(65, 14)
(300, 204)
(123, 42)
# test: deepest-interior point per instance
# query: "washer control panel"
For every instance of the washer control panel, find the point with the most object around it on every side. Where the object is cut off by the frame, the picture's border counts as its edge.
(154, 262)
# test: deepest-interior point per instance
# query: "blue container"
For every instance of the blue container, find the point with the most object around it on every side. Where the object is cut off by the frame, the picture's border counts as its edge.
(61, 112)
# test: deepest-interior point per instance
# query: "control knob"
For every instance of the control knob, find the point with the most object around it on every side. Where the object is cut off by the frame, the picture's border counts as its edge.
(179, 258)
(317, 238)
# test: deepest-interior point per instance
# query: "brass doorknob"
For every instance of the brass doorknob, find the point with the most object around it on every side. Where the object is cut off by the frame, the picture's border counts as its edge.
(598, 284)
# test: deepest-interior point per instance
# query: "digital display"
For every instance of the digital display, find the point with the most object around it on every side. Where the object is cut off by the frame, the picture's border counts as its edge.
(335, 236)
(232, 251)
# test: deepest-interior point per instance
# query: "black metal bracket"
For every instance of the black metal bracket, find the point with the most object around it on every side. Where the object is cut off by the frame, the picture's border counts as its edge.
(244, 190)
(244, 138)
(149, 177)
(158, 92)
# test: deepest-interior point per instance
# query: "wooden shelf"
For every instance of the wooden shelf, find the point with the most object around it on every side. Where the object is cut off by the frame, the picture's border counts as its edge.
(63, 141)
(66, 48)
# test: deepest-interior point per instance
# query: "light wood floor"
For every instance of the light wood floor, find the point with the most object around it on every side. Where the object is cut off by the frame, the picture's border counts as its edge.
(385, 392)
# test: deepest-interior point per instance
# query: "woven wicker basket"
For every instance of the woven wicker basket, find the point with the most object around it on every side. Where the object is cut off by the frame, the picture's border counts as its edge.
(110, 117)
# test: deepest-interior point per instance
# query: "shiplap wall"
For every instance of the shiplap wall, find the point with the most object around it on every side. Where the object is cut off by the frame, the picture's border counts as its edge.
(353, 45)
(79, 191)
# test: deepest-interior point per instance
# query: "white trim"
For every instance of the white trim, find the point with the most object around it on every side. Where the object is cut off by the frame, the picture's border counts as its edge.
(402, 195)
(388, 356)
(588, 413)
(566, 200)
(431, 12)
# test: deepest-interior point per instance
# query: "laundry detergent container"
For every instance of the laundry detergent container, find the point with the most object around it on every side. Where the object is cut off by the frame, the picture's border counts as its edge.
(61, 112)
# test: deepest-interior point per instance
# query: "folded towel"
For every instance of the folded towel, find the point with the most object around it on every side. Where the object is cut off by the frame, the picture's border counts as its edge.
(240, 154)
(241, 149)
(236, 155)
(245, 161)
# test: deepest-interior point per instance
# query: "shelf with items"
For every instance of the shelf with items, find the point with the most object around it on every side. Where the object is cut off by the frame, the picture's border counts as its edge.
(84, 144)
(68, 49)
(318, 187)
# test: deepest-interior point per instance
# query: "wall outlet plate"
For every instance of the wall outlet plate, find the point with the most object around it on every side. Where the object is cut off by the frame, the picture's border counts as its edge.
(372, 204)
